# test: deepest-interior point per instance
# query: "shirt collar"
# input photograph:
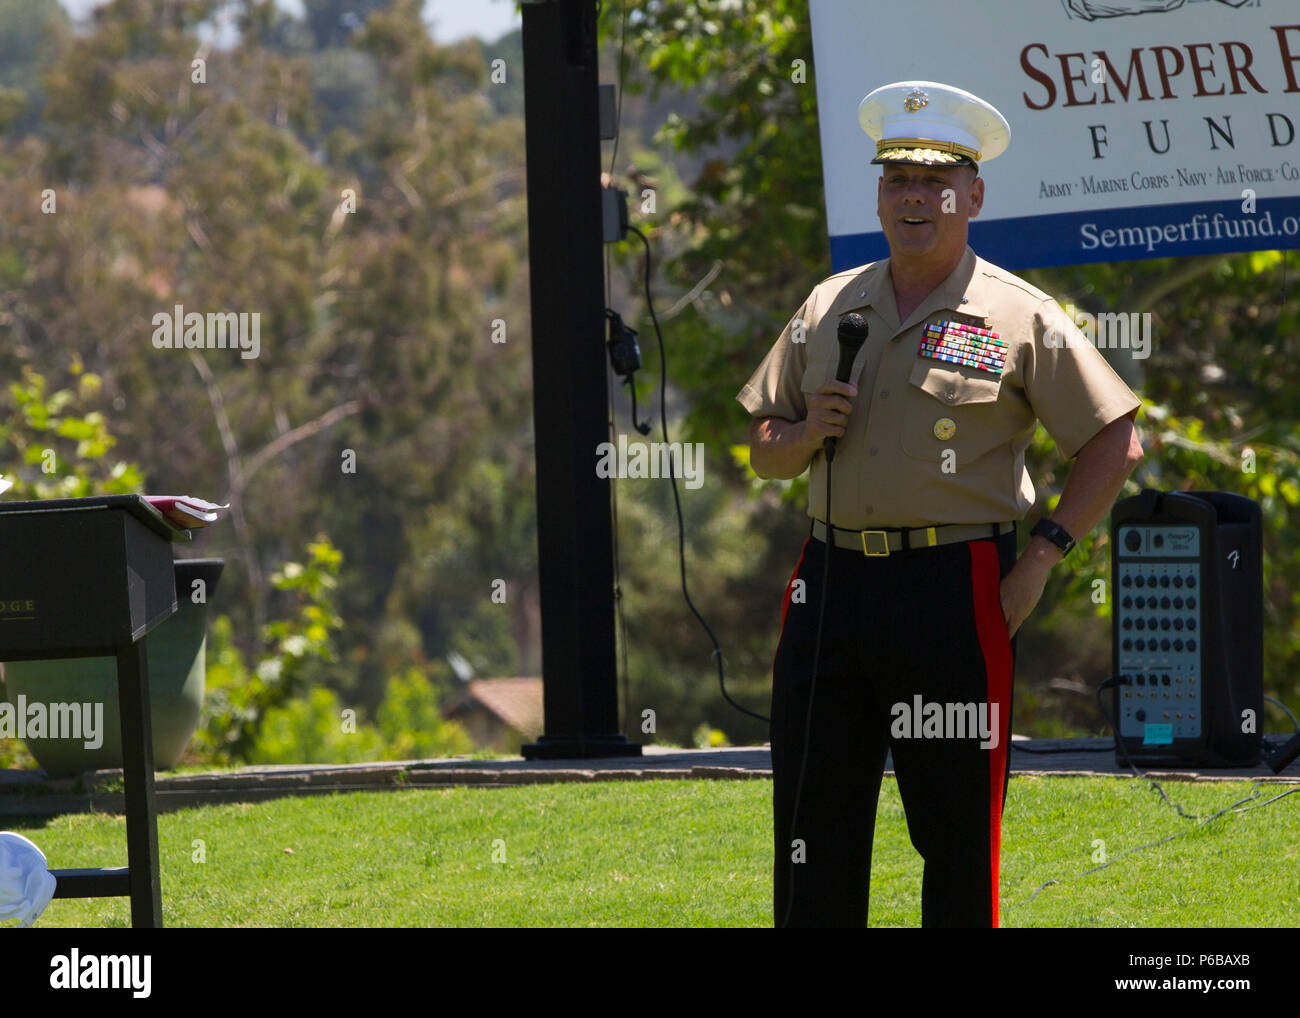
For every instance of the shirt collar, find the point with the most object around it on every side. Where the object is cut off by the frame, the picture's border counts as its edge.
(873, 288)
(959, 292)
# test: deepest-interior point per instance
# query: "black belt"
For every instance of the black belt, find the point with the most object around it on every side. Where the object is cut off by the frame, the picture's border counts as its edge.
(882, 541)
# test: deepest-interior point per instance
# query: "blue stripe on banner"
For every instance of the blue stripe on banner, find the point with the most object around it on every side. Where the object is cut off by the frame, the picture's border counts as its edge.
(1145, 231)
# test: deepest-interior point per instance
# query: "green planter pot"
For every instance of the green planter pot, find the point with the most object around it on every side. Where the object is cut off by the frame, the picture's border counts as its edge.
(175, 652)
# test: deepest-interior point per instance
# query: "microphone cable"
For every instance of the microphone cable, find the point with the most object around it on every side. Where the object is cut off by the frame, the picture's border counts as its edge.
(812, 689)
(672, 476)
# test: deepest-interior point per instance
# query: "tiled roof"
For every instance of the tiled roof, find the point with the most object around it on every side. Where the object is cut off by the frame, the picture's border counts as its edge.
(517, 702)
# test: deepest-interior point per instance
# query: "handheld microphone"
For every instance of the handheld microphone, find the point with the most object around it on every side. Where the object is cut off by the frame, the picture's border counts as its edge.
(852, 333)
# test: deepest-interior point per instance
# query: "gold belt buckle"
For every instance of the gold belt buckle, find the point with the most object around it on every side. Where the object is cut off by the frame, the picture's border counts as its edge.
(884, 543)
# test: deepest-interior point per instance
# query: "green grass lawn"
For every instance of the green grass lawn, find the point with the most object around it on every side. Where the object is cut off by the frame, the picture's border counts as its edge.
(684, 853)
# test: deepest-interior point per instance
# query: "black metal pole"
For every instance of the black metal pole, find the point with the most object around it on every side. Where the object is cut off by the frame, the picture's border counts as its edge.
(570, 402)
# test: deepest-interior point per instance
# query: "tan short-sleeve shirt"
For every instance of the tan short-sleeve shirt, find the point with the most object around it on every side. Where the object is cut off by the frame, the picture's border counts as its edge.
(932, 442)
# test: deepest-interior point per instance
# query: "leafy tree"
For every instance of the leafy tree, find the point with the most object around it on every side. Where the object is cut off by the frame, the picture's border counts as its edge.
(376, 238)
(308, 730)
(61, 448)
(411, 725)
(30, 31)
(239, 699)
(53, 446)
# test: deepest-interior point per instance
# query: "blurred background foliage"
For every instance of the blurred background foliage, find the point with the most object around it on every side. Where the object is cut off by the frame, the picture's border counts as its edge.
(233, 193)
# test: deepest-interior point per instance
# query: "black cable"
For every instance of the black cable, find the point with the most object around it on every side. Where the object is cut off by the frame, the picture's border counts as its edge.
(1111, 683)
(1286, 709)
(607, 294)
(672, 476)
(1254, 794)
(1106, 749)
(618, 578)
(644, 426)
(622, 73)
(1108, 684)
(1063, 749)
(817, 650)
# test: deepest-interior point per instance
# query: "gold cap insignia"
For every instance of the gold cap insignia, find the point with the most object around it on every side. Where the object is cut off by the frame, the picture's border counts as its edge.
(928, 123)
(916, 100)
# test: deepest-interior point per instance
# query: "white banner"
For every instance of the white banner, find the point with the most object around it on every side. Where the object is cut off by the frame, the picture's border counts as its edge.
(1139, 128)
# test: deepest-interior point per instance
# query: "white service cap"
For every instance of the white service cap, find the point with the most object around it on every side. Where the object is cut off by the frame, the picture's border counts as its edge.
(26, 884)
(931, 124)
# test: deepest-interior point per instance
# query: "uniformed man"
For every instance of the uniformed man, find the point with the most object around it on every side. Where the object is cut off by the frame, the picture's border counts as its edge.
(925, 592)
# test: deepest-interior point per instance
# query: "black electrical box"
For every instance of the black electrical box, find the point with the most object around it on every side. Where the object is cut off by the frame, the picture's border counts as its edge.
(1188, 650)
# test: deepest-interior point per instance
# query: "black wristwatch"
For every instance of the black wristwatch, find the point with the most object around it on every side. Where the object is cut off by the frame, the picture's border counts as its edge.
(1055, 533)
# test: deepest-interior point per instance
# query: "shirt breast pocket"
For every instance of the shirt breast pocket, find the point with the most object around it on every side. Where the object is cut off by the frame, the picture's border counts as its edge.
(951, 407)
(818, 372)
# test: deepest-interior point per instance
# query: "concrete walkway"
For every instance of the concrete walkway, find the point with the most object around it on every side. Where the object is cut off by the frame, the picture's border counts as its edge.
(29, 793)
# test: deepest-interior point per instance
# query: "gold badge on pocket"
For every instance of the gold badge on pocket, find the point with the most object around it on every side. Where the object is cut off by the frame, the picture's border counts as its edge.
(945, 428)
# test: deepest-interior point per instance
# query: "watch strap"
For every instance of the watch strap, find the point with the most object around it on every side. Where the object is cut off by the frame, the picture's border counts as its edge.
(1055, 533)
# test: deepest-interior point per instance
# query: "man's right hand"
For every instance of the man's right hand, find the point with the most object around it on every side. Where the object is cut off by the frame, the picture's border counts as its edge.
(828, 412)
(783, 448)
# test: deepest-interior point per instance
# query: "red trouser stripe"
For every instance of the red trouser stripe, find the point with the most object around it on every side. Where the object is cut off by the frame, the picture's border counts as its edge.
(785, 601)
(995, 644)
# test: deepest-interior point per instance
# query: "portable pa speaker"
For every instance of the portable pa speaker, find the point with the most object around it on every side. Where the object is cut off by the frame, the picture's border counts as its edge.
(1188, 583)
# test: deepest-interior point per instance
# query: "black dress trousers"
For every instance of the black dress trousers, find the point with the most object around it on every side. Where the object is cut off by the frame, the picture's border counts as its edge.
(915, 658)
